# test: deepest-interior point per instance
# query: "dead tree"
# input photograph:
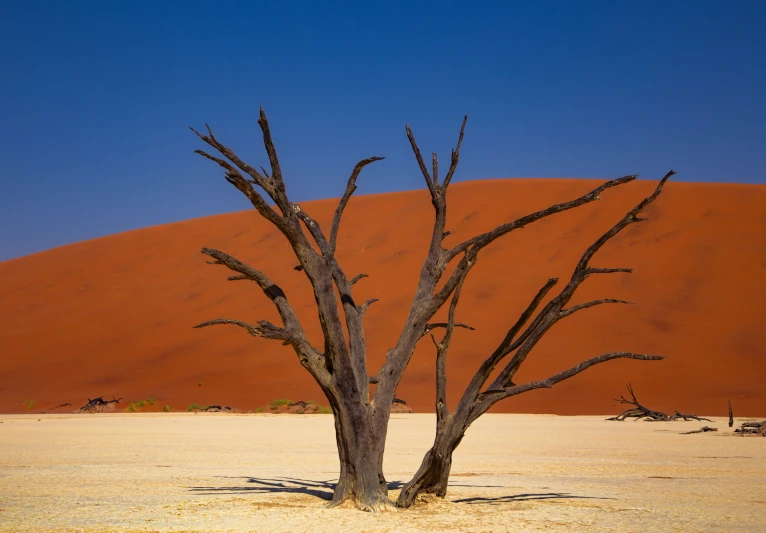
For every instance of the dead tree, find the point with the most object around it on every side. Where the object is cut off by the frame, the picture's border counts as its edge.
(752, 428)
(640, 412)
(339, 366)
(98, 404)
(731, 415)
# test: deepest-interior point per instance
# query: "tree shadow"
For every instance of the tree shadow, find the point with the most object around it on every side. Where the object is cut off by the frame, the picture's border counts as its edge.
(528, 497)
(285, 485)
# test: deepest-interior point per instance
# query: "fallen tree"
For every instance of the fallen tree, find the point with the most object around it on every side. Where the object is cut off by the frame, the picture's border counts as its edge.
(98, 405)
(640, 412)
(339, 366)
(752, 428)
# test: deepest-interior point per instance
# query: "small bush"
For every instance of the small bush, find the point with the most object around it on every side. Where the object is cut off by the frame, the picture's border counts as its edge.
(166, 409)
(137, 406)
(30, 404)
(276, 404)
(258, 410)
(324, 410)
(195, 407)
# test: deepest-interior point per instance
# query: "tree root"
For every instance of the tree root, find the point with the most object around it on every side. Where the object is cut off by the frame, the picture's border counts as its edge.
(639, 412)
(374, 504)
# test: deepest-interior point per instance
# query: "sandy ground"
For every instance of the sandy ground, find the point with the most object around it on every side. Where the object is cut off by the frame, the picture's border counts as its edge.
(216, 473)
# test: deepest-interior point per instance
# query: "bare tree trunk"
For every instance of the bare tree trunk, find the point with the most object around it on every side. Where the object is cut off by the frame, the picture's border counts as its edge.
(433, 475)
(361, 443)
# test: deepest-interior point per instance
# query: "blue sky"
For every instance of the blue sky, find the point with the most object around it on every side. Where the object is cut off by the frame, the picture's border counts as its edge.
(96, 98)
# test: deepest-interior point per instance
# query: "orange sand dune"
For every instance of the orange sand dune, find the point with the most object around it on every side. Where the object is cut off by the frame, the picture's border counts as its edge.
(114, 316)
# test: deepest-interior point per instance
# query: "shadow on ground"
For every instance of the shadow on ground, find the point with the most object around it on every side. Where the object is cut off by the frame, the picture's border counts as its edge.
(287, 485)
(529, 496)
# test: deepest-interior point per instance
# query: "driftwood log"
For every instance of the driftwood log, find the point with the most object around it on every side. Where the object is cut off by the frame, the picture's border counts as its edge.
(640, 412)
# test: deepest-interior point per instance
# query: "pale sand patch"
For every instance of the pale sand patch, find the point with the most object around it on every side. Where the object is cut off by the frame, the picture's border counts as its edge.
(221, 473)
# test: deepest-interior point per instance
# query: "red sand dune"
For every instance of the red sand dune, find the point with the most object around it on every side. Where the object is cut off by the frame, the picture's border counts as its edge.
(114, 316)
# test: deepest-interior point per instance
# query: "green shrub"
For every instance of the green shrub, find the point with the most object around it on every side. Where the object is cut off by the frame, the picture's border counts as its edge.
(166, 409)
(195, 407)
(30, 404)
(324, 410)
(276, 404)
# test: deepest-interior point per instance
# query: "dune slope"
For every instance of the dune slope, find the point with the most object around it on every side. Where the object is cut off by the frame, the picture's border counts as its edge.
(114, 316)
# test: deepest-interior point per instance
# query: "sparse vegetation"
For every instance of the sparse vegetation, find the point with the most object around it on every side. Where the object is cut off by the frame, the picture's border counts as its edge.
(137, 406)
(276, 404)
(30, 404)
(196, 407)
(166, 409)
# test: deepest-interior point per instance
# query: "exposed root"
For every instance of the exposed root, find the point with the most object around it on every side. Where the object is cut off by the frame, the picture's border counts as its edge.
(375, 504)
(639, 412)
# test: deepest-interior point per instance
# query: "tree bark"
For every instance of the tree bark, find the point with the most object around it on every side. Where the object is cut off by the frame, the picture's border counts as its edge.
(433, 475)
(361, 443)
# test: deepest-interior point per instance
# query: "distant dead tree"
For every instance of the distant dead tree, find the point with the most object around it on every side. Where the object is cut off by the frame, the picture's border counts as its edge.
(639, 412)
(340, 366)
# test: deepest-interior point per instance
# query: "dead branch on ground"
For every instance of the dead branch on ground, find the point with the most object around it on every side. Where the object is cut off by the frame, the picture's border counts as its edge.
(752, 428)
(640, 412)
(703, 429)
(98, 404)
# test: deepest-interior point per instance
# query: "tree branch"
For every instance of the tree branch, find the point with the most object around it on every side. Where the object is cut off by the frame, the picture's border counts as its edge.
(455, 155)
(480, 241)
(553, 311)
(365, 305)
(566, 312)
(263, 329)
(350, 188)
(489, 398)
(442, 411)
(292, 333)
(234, 177)
(357, 278)
(435, 325)
(422, 164)
(484, 371)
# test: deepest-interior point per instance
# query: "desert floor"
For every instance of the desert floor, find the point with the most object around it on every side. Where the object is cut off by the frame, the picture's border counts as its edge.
(221, 472)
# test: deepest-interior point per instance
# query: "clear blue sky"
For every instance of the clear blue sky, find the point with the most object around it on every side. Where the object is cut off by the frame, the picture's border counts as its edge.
(96, 97)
